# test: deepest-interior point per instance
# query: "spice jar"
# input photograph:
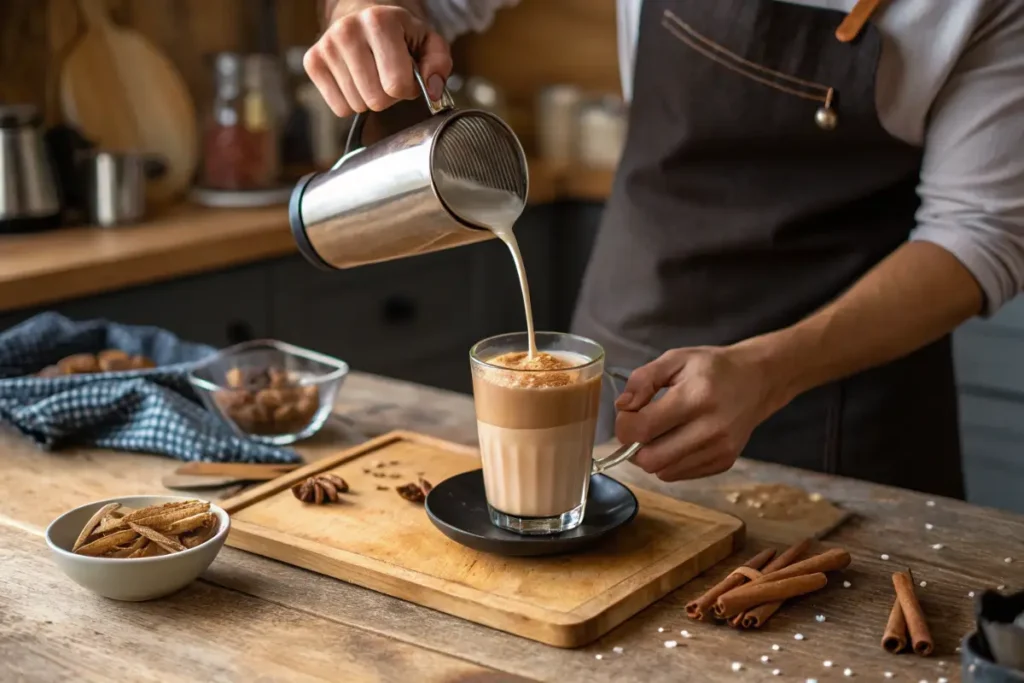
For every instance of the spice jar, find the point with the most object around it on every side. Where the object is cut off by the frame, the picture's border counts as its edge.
(601, 131)
(241, 137)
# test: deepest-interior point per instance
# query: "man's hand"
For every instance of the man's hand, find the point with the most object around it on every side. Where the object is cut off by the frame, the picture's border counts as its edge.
(364, 60)
(716, 396)
(714, 399)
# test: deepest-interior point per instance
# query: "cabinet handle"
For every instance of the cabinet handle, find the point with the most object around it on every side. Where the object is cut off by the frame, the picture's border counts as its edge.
(399, 310)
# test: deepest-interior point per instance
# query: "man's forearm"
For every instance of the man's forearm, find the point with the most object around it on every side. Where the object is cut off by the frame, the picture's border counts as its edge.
(915, 296)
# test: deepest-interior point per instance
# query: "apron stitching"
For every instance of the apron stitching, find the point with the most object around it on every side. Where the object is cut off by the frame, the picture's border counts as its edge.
(679, 25)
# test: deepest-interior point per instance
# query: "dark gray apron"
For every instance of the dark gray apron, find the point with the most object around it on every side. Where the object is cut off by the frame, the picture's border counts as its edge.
(733, 214)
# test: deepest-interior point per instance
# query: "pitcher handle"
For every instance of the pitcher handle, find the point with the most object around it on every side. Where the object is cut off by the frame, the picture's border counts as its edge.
(354, 140)
(623, 453)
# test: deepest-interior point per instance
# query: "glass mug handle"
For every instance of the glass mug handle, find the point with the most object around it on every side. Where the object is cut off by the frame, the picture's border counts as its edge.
(622, 453)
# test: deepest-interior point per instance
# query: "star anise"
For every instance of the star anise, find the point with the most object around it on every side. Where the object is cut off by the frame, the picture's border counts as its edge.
(411, 492)
(415, 493)
(320, 488)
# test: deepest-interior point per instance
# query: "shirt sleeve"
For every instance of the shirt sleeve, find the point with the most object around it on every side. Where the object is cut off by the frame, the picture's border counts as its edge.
(452, 18)
(972, 177)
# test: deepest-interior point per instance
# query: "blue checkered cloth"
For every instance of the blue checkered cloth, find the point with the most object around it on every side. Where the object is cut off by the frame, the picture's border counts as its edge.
(150, 411)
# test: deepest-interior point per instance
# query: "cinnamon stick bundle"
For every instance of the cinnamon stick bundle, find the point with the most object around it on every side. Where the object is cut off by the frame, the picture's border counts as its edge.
(828, 561)
(894, 640)
(920, 636)
(756, 617)
(700, 608)
(752, 594)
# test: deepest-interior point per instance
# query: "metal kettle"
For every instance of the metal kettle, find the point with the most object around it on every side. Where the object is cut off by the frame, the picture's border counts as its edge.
(432, 186)
(29, 199)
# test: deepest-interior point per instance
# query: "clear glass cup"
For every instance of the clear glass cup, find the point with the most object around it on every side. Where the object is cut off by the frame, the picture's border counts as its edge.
(536, 429)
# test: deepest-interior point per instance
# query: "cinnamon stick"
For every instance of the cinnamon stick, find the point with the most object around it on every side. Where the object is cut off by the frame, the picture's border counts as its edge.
(894, 640)
(920, 636)
(828, 561)
(752, 594)
(700, 608)
(756, 617)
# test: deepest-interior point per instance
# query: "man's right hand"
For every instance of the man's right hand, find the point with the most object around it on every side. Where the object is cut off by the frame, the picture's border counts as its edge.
(364, 60)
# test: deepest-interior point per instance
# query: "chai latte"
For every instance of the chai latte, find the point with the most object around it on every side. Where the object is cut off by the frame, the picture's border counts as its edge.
(536, 418)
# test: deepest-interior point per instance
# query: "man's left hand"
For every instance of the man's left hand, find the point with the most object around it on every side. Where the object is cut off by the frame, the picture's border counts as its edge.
(714, 398)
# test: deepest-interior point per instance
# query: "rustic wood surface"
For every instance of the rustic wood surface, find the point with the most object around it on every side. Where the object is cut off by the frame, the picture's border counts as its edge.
(126, 96)
(523, 51)
(35, 36)
(253, 614)
(376, 539)
(539, 43)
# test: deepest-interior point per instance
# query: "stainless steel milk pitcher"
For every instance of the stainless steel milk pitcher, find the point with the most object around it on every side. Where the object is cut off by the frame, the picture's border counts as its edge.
(438, 184)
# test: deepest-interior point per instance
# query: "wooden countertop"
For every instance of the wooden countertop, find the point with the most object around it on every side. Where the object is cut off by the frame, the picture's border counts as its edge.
(53, 266)
(249, 617)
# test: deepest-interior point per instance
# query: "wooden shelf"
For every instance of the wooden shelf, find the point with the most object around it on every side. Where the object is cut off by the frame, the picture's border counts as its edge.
(62, 264)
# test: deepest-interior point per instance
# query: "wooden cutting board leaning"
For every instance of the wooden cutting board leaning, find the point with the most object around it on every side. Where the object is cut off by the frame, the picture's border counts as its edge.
(374, 538)
(126, 96)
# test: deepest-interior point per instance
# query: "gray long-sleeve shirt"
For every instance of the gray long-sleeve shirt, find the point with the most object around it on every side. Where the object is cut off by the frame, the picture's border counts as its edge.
(950, 80)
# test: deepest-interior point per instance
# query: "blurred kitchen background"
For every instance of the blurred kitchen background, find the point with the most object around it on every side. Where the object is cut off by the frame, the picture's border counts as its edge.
(154, 174)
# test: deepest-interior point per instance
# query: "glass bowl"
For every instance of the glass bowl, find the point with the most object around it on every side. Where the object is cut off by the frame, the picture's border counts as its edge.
(269, 391)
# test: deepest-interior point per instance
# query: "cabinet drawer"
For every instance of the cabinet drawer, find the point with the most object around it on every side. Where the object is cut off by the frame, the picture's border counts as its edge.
(992, 433)
(996, 415)
(1009, 318)
(991, 475)
(379, 317)
(990, 358)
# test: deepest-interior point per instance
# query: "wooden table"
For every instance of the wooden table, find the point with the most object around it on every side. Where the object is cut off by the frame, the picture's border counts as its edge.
(255, 619)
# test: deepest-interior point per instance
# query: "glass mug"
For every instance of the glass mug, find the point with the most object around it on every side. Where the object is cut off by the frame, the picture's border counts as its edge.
(536, 431)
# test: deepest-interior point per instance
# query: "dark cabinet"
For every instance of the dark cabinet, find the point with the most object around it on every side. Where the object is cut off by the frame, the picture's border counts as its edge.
(219, 308)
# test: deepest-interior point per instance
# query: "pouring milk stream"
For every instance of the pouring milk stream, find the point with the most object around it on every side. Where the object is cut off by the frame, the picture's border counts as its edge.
(497, 211)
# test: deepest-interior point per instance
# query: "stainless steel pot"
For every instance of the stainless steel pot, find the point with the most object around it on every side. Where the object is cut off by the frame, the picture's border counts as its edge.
(429, 187)
(28, 189)
(116, 186)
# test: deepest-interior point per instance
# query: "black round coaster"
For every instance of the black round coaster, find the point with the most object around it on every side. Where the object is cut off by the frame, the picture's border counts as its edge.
(458, 507)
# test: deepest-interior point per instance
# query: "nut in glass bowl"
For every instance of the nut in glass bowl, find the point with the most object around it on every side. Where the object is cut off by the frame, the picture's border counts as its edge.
(270, 391)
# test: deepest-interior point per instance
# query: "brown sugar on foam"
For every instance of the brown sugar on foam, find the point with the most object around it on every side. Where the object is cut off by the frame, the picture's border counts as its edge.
(542, 370)
(521, 360)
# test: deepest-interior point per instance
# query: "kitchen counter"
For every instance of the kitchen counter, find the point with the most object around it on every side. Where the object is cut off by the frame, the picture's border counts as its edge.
(63, 264)
(249, 617)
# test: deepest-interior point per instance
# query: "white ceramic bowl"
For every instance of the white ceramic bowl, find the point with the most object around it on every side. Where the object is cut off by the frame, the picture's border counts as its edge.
(139, 579)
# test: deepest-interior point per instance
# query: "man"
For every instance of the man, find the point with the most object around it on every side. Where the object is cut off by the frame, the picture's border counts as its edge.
(797, 224)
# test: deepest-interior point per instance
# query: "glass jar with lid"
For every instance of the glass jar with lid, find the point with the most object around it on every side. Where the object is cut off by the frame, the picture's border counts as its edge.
(241, 138)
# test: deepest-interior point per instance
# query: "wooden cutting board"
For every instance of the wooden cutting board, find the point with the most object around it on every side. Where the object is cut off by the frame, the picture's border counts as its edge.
(126, 96)
(380, 541)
